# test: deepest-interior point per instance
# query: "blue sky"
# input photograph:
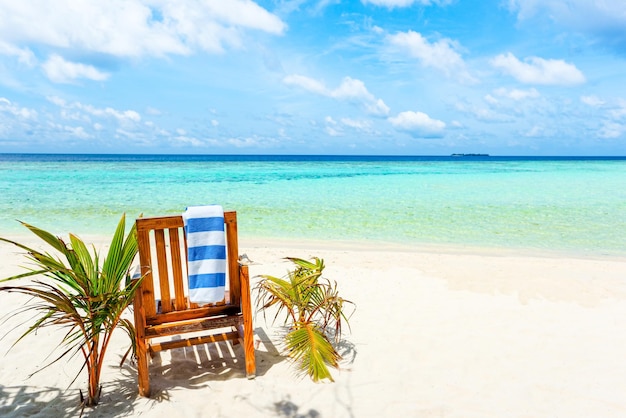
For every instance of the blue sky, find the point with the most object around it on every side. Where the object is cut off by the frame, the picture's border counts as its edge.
(408, 77)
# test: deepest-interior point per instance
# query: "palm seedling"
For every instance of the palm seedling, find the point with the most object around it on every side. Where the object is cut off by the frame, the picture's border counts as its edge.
(315, 312)
(82, 294)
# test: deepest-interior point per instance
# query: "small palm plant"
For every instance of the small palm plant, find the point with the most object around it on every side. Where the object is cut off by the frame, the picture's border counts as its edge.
(314, 308)
(85, 297)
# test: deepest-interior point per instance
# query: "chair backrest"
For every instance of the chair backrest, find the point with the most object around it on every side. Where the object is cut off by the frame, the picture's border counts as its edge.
(163, 260)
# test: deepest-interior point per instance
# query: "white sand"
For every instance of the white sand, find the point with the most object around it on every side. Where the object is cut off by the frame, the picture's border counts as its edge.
(435, 334)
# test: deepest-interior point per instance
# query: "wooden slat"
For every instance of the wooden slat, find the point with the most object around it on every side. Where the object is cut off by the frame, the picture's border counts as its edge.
(146, 289)
(180, 302)
(248, 337)
(233, 255)
(163, 330)
(214, 338)
(164, 280)
(160, 222)
(196, 313)
(172, 221)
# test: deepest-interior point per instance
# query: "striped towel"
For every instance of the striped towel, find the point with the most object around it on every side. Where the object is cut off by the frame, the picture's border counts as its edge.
(206, 253)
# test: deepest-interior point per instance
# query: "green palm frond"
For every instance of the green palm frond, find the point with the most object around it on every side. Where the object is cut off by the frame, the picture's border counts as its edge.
(310, 348)
(314, 307)
(82, 295)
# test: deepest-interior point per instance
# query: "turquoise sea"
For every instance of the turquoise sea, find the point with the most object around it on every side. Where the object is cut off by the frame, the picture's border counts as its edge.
(547, 204)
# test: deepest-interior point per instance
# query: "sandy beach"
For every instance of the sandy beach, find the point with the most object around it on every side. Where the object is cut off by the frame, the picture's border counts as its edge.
(436, 333)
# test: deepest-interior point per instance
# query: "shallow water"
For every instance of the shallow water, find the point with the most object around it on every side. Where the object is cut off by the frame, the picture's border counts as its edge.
(561, 204)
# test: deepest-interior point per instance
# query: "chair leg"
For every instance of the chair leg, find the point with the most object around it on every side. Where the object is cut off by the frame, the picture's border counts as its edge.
(248, 346)
(142, 368)
(246, 313)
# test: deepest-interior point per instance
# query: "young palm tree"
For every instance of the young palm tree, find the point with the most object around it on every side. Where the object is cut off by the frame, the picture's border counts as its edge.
(84, 296)
(314, 308)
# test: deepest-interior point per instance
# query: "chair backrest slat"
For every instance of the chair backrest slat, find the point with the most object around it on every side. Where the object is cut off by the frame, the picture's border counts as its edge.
(180, 302)
(146, 288)
(164, 282)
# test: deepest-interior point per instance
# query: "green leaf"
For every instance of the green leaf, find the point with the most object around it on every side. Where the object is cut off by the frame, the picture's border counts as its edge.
(313, 305)
(312, 351)
(82, 297)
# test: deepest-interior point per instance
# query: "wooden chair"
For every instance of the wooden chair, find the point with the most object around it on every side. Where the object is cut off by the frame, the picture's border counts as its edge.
(162, 256)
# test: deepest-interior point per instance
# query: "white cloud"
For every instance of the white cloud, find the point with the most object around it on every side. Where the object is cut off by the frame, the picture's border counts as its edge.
(307, 83)
(604, 19)
(535, 132)
(123, 29)
(481, 113)
(490, 99)
(332, 131)
(592, 100)
(441, 54)
(120, 115)
(64, 132)
(619, 113)
(350, 89)
(6, 106)
(61, 71)
(249, 142)
(332, 127)
(77, 131)
(362, 125)
(418, 124)
(24, 55)
(187, 140)
(77, 110)
(517, 94)
(377, 108)
(537, 70)
(611, 130)
(134, 28)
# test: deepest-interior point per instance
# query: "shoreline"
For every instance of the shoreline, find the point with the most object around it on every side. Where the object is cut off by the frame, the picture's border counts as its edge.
(251, 242)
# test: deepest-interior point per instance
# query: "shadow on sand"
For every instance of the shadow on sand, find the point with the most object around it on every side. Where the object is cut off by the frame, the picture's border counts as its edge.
(195, 367)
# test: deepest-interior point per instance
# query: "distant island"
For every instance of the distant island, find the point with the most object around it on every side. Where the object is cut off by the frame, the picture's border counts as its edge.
(470, 155)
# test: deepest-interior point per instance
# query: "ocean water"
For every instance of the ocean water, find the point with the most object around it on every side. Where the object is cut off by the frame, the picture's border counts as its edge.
(546, 204)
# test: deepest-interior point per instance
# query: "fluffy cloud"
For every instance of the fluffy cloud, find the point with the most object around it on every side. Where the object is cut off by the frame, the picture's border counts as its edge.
(350, 89)
(537, 70)
(86, 110)
(307, 83)
(418, 124)
(6, 106)
(61, 71)
(619, 113)
(24, 55)
(592, 101)
(125, 28)
(517, 94)
(134, 28)
(441, 54)
(362, 125)
(612, 130)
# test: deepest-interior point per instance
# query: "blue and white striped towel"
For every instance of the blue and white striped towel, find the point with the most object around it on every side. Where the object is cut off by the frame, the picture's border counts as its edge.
(206, 253)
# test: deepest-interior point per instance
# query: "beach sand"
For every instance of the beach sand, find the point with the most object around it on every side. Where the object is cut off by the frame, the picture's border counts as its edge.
(436, 333)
